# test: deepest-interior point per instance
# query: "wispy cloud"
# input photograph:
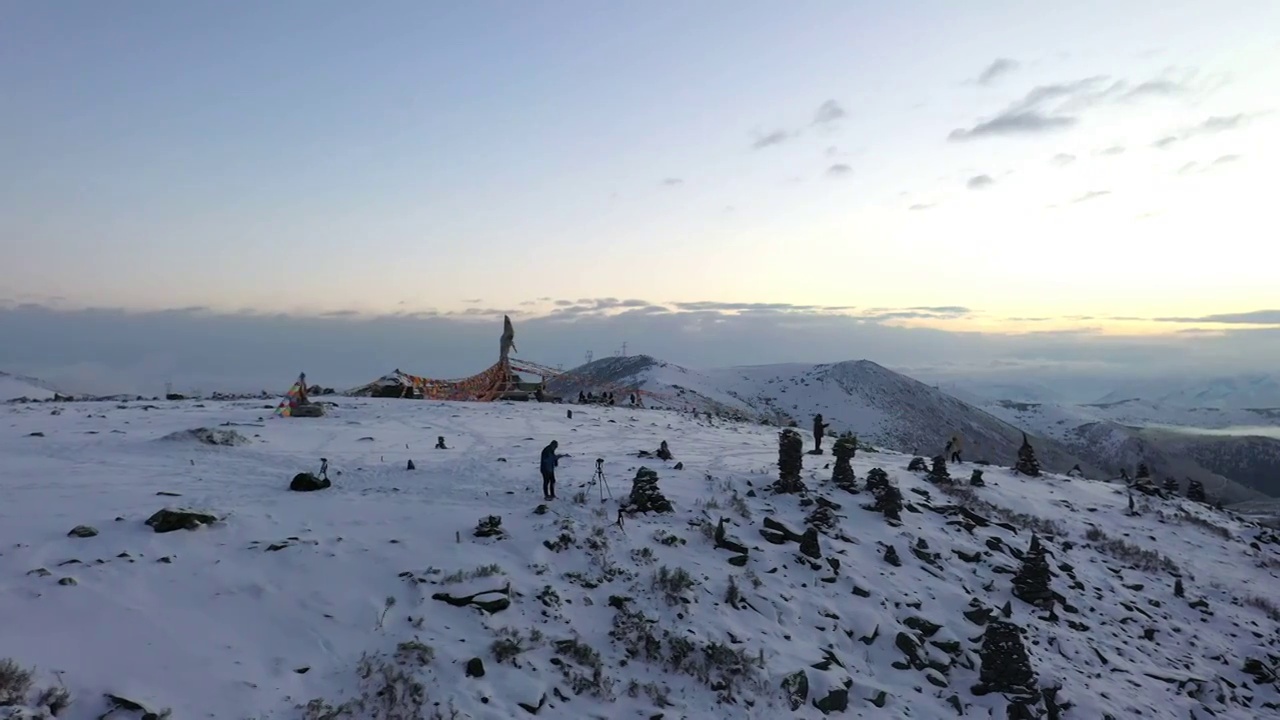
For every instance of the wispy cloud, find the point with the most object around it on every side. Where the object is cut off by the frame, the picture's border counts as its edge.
(1063, 159)
(1091, 195)
(980, 182)
(672, 181)
(922, 206)
(839, 170)
(777, 137)
(1210, 126)
(1013, 123)
(828, 112)
(1164, 142)
(1254, 317)
(1113, 150)
(1188, 168)
(998, 68)
(1226, 159)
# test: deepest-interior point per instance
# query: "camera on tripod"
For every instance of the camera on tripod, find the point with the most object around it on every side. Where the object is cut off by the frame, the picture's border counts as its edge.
(599, 480)
(599, 463)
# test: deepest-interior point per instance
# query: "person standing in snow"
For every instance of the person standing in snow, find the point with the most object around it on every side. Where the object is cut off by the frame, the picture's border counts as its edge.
(548, 466)
(953, 449)
(819, 430)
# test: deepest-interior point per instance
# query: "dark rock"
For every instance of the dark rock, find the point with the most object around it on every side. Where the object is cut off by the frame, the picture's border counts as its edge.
(891, 556)
(475, 667)
(722, 540)
(917, 464)
(306, 482)
(1027, 463)
(975, 480)
(796, 687)
(488, 606)
(82, 531)
(67, 581)
(170, 519)
(836, 701)
(809, 543)
(411, 466)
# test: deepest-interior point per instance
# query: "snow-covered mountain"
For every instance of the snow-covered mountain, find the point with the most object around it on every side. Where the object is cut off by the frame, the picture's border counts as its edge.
(1224, 393)
(882, 407)
(451, 590)
(1124, 433)
(14, 387)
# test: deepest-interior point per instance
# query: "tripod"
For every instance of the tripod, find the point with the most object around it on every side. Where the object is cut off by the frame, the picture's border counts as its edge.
(598, 479)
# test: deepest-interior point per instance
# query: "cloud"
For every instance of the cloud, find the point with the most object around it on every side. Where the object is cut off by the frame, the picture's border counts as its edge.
(839, 169)
(1226, 159)
(1013, 123)
(1063, 159)
(998, 68)
(1220, 123)
(111, 350)
(339, 314)
(672, 181)
(777, 137)
(922, 206)
(828, 112)
(1113, 150)
(1188, 168)
(1091, 195)
(1164, 142)
(1255, 317)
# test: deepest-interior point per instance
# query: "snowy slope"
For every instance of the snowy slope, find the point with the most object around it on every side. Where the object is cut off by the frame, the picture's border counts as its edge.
(13, 387)
(1224, 393)
(294, 597)
(882, 407)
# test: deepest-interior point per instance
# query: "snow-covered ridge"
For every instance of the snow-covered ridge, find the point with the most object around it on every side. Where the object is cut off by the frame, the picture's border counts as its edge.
(13, 387)
(286, 598)
(882, 407)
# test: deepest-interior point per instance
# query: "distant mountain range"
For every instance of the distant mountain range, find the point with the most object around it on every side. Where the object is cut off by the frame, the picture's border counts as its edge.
(1223, 393)
(882, 407)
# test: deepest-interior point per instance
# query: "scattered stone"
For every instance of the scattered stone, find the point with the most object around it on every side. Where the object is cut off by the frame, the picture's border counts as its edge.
(35, 434)
(975, 480)
(82, 531)
(836, 701)
(891, 556)
(722, 540)
(166, 493)
(39, 572)
(678, 466)
(306, 482)
(664, 452)
(488, 606)
(170, 519)
(917, 464)
(475, 668)
(68, 581)
(411, 466)
(540, 510)
(809, 543)
(440, 443)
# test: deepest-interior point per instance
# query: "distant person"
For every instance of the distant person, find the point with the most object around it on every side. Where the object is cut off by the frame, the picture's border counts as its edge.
(819, 430)
(582, 398)
(953, 449)
(548, 465)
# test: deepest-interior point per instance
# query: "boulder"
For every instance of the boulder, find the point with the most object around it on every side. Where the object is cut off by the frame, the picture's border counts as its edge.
(306, 482)
(170, 519)
(82, 531)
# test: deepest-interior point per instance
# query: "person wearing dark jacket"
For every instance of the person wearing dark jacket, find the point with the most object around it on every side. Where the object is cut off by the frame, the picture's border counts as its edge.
(819, 430)
(548, 466)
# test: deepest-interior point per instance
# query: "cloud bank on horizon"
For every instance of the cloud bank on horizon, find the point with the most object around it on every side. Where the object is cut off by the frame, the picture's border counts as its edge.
(105, 350)
(1094, 166)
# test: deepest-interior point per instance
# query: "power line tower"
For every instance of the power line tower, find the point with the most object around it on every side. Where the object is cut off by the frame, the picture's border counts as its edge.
(624, 348)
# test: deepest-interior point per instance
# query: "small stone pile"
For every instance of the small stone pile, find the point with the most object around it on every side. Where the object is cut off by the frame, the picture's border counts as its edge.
(888, 497)
(845, 447)
(1195, 491)
(1170, 486)
(939, 473)
(490, 526)
(645, 495)
(975, 480)
(917, 464)
(1027, 463)
(790, 463)
(1006, 667)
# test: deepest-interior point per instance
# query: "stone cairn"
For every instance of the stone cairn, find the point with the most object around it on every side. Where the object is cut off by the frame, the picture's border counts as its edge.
(790, 463)
(888, 497)
(1027, 463)
(845, 447)
(645, 496)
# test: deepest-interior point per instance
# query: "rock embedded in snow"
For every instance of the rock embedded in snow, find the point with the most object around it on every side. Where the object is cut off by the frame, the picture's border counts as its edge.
(82, 531)
(210, 436)
(171, 519)
(307, 482)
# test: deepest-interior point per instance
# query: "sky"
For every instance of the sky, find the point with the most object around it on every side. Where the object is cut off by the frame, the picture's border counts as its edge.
(923, 183)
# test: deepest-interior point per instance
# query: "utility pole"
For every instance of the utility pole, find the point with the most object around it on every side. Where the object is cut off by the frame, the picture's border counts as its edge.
(624, 348)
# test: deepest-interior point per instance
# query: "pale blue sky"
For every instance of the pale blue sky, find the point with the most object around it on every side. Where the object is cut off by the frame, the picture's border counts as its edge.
(401, 157)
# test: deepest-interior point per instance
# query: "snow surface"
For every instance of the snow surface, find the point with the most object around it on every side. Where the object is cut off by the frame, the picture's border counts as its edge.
(221, 621)
(13, 387)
